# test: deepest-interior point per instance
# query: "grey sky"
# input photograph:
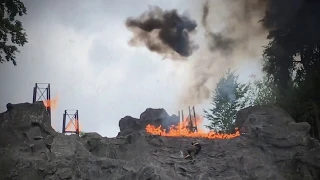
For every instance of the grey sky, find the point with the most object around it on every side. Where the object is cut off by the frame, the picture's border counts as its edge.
(80, 47)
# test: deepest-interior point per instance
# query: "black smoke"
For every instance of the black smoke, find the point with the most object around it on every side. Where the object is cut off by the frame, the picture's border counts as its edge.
(172, 31)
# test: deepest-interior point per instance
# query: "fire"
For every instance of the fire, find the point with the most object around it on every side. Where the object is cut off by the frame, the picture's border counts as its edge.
(181, 130)
(72, 125)
(52, 103)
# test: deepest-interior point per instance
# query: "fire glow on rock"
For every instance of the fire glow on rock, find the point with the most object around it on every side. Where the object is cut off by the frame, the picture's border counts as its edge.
(181, 130)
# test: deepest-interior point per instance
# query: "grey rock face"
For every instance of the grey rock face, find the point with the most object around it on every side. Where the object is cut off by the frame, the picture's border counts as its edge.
(272, 147)
(155, 117)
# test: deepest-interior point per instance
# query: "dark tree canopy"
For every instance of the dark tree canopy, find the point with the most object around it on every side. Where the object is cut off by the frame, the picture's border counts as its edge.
(12, 33)
(292, 58)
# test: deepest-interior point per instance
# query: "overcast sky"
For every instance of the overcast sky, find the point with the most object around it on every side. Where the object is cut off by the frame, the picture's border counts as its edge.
(81, 48)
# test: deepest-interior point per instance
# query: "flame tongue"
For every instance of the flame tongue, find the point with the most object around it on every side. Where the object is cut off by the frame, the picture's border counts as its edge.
(181, 130)
(73, 125)
(52, 103)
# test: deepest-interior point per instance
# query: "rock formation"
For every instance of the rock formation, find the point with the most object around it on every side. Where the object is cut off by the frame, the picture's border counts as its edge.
(155, 117)
(272, 147)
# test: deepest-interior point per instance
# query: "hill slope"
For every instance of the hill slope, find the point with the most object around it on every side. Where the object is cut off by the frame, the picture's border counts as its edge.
(272, 146)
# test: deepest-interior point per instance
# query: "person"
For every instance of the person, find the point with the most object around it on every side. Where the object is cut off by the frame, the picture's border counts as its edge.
(193, 150)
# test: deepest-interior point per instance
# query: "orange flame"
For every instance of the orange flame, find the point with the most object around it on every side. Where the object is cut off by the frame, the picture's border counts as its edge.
(181, 130)
(72, 125)
(52, 103)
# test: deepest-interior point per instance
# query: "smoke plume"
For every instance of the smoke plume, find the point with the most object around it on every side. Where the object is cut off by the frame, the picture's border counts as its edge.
(231, 36)
(234, 36)
(217, 42)
(164, 32)
(241, 25)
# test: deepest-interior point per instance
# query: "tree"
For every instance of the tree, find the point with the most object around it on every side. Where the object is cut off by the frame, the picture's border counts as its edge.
(11, 29)
(228, 98)
(262, 92)
(293, 58)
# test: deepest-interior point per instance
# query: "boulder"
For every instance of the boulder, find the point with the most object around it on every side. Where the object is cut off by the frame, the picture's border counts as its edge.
(277, 134)
(272, 147)
(158, 117)
(151, 116)
(128, 125)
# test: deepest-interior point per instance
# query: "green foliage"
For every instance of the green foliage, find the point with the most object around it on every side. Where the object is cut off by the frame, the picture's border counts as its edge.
(228, 98)
(11, 29)
(262, 92)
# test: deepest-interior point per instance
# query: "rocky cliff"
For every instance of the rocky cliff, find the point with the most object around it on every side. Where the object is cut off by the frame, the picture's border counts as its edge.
(271, 147)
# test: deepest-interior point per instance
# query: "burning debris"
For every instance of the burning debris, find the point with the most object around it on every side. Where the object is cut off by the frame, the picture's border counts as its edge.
(182, 130)
(188, 127)
(164, 32)
(158, 122)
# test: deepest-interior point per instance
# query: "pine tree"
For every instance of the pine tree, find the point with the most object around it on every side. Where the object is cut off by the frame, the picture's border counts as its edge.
(228, 98)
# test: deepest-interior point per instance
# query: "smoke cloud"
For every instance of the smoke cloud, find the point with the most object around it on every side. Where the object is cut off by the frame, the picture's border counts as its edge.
(217, 42)
(231, 36)
(234, 36)
(164, 32)
(241, 25)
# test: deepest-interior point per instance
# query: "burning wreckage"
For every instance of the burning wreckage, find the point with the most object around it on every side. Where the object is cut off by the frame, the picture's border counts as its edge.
(274, 146)
(187, 127)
